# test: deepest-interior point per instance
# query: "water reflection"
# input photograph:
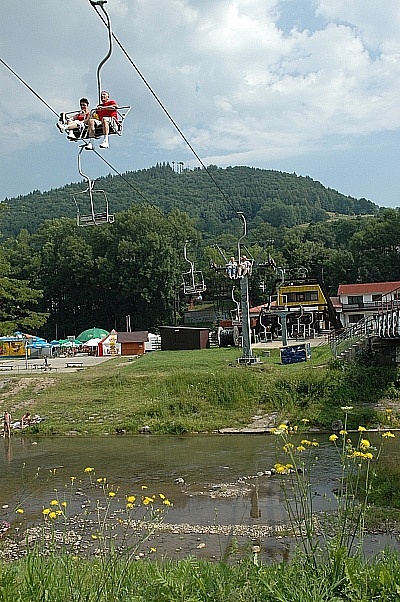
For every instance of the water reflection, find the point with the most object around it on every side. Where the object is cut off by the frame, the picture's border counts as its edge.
(8, 454)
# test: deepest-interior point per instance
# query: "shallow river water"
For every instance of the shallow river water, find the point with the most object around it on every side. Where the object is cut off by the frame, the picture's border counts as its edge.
(210, 479)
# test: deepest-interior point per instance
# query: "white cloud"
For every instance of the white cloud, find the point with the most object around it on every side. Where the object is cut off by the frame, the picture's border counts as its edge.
(234, 81)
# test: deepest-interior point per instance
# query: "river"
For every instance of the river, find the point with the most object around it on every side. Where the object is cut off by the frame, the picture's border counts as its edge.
(210, 479)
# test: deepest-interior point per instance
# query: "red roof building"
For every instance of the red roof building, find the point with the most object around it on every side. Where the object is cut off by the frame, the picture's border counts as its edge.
(361, 300)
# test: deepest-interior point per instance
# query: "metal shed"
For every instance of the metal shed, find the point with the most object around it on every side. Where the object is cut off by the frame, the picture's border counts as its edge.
(183, 337)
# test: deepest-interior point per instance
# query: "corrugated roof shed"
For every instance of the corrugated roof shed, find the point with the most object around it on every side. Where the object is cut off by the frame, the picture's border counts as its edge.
(138, 336)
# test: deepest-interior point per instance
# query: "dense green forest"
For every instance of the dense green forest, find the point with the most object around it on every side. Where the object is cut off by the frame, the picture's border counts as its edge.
(73, 277)
(210, 196)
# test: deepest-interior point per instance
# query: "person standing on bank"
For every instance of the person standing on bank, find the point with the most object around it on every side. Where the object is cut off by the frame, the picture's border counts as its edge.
(7, 424)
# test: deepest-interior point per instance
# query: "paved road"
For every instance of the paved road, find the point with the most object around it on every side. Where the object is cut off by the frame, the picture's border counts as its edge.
(58, 364)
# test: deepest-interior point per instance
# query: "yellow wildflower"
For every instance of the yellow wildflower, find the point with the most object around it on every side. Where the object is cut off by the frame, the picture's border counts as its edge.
(162, 496)
(343, 432)
(46, 511)
(147, 500)
(52, 514)
(167, 502)
(111, 494)
(388, 435)
(364, 443)
(283, 427)
(305, 442)
(361, 429)
(54, 503)
(333, 438)
(129, 506)
(144, 486)
(20, 511)
(89, 469)
(130, 499)
(300, 448)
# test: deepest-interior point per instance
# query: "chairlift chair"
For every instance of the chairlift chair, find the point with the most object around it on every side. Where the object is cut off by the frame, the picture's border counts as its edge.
(192, 280)
(94, 202)
(116, 127)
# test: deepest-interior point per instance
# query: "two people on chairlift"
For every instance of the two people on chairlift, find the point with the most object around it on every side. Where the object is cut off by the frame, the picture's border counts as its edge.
(238, 270)
(105, 115)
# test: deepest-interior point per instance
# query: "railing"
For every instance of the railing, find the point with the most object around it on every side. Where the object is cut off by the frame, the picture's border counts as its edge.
(353, 334)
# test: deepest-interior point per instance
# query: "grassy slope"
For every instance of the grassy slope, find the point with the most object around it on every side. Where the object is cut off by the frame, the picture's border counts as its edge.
(198, 391)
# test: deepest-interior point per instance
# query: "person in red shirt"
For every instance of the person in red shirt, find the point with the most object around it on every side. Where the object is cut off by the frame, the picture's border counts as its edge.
(78, 121)
(106, 115)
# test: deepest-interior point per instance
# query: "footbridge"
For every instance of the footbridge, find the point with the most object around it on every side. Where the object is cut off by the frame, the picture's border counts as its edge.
(378, 333)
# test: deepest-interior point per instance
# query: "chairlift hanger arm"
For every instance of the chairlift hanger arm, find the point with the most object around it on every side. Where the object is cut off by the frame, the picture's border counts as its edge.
(95, 4)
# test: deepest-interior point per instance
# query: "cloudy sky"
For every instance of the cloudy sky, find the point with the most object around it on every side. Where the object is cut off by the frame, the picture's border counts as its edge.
(305, 86)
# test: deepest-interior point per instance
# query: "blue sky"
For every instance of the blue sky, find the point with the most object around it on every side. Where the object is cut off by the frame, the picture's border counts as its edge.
(304, 86)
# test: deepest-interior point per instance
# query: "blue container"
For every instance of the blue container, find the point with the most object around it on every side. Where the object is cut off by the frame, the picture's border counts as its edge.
(295, 353)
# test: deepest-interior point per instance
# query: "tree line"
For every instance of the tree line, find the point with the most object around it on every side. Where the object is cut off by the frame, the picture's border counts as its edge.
(59, 279)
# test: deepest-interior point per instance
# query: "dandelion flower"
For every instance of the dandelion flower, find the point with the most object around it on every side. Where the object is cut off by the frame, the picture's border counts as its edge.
(162, 496)
(129, 506)
(52, 514)
(64, 504)
(333, 438)
(89, 469)
(20, 511)
(111, 494)
(300, 448)
(364, 443)
(167, 502)
(72, 479)
(130, 499)
(361, 429)
(54, 503)
(343, 432)
(46, 511)
(144, 486)
(147, 500)
(388, 435)
(152, 550)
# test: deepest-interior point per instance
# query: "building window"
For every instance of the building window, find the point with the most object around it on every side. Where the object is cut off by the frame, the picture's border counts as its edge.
(355, 300)
(377, 297)
(354, 318)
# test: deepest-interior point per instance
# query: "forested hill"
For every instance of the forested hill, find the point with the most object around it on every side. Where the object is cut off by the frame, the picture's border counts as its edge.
(264, 196)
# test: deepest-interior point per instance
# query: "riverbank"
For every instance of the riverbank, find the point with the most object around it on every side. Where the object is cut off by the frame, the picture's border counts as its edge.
(200, 391)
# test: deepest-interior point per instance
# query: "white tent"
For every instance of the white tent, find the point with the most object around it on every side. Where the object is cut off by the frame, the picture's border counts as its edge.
(92, 343)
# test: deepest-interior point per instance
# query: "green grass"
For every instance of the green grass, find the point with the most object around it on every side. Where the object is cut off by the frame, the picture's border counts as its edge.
(61, 578)
(202, 391)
